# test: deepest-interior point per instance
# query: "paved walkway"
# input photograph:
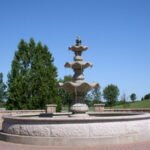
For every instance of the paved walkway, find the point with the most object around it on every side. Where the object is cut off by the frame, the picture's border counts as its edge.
(134, 146)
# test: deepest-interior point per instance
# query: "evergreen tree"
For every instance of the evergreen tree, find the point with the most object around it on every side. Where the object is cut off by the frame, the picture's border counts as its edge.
(32, 79)
(2, 89)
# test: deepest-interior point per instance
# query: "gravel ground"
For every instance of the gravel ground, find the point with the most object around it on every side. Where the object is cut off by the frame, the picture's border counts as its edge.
(134, 146)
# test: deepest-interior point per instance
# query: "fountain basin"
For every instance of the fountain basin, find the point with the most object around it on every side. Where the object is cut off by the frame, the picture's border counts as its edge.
(63, 130)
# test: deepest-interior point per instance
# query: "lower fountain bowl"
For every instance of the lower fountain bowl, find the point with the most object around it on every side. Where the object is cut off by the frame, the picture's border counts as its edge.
(98, 128)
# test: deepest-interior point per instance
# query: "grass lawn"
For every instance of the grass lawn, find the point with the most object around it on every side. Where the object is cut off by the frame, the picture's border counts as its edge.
(137, 104)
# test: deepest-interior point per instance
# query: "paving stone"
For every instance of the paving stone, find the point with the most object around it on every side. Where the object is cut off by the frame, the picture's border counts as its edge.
(134, 146)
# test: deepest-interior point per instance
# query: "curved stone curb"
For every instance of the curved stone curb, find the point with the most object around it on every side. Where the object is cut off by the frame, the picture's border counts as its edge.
(76, 131)
(55, 141)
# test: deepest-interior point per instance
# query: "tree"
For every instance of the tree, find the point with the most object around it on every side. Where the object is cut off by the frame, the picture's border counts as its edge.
(67, 78)
(123, 98)
(32, 79)
(111, 93)
(65, 96)
(133, 97)
(2, 89)
(93, 97)
(147, 96)
(59, 104)
(96, 94)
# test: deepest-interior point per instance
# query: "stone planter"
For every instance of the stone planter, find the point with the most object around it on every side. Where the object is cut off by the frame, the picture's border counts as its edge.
(99, 107)
(51, 108)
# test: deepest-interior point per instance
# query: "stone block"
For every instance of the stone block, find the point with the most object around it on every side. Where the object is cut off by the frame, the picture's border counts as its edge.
(99, 107)
(51, 108)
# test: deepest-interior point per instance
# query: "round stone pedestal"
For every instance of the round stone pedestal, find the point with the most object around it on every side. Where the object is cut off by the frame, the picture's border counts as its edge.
(79, 108)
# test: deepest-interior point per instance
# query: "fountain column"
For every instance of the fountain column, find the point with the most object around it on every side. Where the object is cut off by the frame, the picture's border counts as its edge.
(78, 87)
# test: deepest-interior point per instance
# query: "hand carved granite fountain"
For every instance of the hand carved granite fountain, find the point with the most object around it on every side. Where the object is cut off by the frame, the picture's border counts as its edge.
(65, 129)
(78, 87)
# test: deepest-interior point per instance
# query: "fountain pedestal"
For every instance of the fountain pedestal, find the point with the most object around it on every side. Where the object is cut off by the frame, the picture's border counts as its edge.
(79, 108)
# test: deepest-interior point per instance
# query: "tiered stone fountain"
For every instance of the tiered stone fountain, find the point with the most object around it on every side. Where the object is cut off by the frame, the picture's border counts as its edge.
(77, 129)
(78, 87)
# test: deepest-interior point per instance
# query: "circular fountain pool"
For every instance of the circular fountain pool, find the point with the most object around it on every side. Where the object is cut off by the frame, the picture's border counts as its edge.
(61, 129)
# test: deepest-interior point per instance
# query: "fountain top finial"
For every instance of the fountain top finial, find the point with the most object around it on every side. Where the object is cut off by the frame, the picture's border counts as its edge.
(78, 47)
(78, 41)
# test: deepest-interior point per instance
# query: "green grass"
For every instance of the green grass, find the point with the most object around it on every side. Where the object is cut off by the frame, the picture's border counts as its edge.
(137, 104)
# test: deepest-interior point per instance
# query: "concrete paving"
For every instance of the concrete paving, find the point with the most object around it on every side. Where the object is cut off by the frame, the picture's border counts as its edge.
(134, 146)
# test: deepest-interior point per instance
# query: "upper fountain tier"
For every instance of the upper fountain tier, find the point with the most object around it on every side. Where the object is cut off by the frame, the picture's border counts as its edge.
(78, 49)
(78, 68)
(78, 65)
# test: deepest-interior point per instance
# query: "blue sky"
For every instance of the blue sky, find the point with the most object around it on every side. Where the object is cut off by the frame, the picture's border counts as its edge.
(117, 33)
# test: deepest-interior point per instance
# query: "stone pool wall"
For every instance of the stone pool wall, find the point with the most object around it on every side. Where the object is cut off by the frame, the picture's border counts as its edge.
(129, 110)
(17, 112)
(32, 112)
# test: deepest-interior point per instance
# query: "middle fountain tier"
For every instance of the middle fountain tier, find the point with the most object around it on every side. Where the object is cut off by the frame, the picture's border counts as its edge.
(78, 87)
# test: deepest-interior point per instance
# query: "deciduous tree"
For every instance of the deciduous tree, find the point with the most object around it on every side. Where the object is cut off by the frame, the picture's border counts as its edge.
(65, 96)
(147, 96)
(111, 93)
(133, 97)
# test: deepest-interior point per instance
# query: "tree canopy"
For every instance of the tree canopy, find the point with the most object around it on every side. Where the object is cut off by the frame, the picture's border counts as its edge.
(93, 97)
(32, 79)
(133, 97)
(147, 96)
(65, 96)
(111, 93)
